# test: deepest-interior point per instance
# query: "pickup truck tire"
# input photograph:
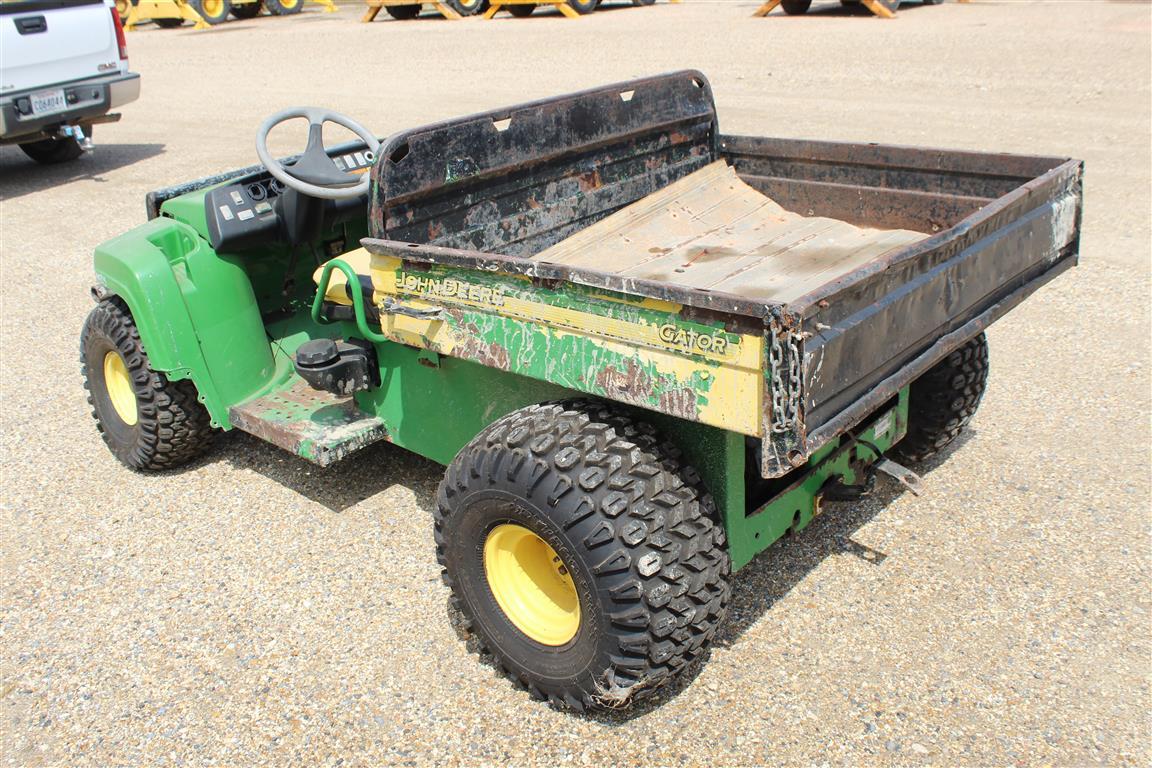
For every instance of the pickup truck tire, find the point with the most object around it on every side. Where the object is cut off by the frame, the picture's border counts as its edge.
(520, 11)
(796, 7)
(149, 422)
(284, 7)
(212, 11)
(403, 12)
(61, 149)
(622, 528)
(247, 10)
(943, 400)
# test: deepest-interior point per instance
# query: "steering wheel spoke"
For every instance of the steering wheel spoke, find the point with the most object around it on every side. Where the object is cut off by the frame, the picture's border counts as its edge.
(314, 173)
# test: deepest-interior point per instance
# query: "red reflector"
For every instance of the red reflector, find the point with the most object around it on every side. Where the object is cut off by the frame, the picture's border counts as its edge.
(120, 41)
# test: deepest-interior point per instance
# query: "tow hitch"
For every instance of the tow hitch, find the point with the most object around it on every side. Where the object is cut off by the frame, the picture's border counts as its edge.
(76, 132)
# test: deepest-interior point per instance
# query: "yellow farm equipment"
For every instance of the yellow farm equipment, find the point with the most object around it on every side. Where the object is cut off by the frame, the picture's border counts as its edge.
(205, 13)
(885, 9)
(403, 10)
(457, 9)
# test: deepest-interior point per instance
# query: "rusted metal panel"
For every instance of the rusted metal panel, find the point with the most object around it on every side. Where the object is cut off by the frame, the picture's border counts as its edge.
(872, 331)
(517, 180)
(314, 425)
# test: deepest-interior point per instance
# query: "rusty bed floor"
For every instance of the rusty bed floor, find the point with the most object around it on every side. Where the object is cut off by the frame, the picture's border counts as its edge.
(710, 230)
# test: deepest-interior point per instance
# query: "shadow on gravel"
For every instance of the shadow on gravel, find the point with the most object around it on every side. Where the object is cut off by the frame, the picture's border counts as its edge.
(342, 485)
(20, 175)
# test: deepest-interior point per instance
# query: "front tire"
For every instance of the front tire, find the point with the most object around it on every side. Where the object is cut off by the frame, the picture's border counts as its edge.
(796, 7)
(583, 7)
(520, 11)
(148, 422)
(284, 7)
(943, 400)
(466, 7)
(630, 564)
(212, 11)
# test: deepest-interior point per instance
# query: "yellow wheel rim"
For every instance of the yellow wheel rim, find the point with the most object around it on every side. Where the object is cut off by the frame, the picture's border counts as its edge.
(289, 3)
(119, 385)
(469, 4)
(213, 7)
(531, 584)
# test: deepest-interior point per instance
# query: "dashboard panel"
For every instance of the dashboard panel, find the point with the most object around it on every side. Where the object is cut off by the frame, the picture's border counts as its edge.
(247, 210)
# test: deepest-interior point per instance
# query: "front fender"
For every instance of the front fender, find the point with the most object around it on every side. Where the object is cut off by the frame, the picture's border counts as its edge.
(196, 312)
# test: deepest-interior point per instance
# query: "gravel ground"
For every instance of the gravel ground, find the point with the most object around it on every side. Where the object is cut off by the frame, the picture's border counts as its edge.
(255, 610)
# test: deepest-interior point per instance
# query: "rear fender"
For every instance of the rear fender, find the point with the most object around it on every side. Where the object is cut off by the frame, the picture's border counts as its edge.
(196, 312)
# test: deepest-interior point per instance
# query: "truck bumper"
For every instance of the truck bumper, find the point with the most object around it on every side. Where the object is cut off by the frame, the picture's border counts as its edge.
(87, 99)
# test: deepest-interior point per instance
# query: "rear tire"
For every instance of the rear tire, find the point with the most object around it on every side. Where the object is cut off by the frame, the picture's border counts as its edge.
(796, 7)
(247, 10)
(148, 422)
(520, 11)
(56, 150)
(621, 529)
(403, 12)
(943, 400)
(212, 11)
(284, 7)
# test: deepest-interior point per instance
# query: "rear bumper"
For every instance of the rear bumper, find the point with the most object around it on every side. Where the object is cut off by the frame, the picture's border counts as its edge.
(87, 99)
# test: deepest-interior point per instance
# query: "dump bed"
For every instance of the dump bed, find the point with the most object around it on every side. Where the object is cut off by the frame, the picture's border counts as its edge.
(503, 193)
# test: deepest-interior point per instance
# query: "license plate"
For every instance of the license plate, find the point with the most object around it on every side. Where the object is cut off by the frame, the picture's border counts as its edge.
(47, 102)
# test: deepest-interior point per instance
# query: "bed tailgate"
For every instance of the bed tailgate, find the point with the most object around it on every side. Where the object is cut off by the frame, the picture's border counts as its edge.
(854, 343)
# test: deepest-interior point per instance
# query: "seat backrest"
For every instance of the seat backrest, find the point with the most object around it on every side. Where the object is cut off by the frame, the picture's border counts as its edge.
(517, 180)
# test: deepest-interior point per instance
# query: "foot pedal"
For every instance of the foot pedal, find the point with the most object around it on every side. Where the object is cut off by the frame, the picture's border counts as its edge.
(314, 425)
(901, 474)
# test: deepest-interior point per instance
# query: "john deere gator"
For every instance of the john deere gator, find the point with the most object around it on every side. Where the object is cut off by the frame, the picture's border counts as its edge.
(643, 349)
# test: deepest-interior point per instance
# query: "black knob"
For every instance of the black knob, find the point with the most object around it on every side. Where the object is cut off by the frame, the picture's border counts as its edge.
(316, 353)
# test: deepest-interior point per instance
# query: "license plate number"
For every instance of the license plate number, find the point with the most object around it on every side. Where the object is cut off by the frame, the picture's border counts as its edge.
(47, 102)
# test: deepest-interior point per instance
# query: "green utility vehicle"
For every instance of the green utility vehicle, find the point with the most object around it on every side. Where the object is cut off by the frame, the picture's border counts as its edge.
(644, 350)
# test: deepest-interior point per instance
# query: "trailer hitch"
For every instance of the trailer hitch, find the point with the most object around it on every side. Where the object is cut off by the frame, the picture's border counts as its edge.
(837, 490)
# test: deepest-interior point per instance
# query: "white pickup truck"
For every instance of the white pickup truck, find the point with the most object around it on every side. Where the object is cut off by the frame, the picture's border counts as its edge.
(63, 68)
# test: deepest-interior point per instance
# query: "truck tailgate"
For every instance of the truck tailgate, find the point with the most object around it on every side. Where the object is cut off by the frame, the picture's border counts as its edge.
(1007, 224)
(45, 42)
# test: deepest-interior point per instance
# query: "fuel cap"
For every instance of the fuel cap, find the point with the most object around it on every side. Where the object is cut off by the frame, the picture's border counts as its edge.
(317, 352)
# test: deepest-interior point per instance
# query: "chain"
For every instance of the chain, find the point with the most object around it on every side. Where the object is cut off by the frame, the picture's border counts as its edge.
(785, 383)
(775, 363)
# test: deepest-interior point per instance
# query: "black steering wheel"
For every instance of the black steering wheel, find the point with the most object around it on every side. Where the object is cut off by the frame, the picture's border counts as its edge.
(314, 172)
